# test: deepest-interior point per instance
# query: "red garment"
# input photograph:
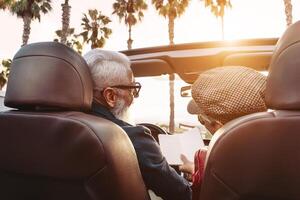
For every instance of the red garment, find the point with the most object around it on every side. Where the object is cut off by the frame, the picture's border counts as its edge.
(199, 161)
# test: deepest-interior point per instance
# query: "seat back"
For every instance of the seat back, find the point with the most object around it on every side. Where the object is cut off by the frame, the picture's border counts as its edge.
(49, 148)
(257, 156)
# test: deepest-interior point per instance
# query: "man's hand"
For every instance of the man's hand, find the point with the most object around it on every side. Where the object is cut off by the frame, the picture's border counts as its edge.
(187, 167)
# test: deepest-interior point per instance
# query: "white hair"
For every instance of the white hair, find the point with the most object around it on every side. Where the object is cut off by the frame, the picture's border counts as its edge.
(123, 112)
(108, 68)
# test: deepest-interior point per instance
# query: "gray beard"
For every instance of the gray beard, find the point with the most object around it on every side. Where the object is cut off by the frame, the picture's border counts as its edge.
(123, 112)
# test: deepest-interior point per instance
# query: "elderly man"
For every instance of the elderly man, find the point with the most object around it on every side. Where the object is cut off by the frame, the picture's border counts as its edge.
(114, 91)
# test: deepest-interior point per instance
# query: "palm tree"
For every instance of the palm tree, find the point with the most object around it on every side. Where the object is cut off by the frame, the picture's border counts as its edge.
(65, 31)
(171, 9)
(66, 34)
(94, 28)
(288, 12)
(132, 12)
(5, 4)
(218, 9)
(5, 72)
(60, 34)
(29, 10)
(72, 40)
(76, 44)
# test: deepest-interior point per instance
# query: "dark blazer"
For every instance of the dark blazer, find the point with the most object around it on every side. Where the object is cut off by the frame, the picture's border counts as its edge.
(157, 174)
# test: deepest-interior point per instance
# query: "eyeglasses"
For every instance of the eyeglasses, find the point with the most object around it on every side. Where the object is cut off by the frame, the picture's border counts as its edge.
(135, 88)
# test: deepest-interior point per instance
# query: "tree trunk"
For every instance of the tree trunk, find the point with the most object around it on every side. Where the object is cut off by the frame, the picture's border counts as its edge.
(65, 22)
(172, 104)
(129, 41)
(222, 24)
(26, 29)
(171, 29)
(171, 79)
(288, 12)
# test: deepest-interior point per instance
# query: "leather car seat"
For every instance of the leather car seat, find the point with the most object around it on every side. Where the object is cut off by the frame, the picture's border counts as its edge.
(258, 156)
(49, 147)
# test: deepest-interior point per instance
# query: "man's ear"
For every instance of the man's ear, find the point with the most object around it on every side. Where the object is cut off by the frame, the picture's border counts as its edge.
(110, 97)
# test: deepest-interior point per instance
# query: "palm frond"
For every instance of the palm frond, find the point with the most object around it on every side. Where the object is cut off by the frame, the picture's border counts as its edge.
(140, 15)
(95, 25)
(5, 4)
(84, 34)
(31, 8)
(93, 14)
(58, 33)
(46, 7)
(106, 31)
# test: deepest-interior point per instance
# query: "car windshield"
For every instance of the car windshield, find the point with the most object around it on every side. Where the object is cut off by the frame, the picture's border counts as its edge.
(195, 21)
(155, 97)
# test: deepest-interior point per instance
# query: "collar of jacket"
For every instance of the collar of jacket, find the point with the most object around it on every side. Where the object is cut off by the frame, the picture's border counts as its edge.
(103, 111)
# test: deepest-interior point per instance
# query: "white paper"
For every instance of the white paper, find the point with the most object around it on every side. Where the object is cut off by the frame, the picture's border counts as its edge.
(187, 143)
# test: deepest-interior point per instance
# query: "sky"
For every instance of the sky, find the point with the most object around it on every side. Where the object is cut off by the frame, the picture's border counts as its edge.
(246, 19)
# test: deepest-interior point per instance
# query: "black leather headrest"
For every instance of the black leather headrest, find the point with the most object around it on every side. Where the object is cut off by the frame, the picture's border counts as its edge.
(49, 75)
(283, 84)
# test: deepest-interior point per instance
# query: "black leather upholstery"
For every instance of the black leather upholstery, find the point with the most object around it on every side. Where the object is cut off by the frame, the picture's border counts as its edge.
(257, 156)
(49, 152)
(49, 75)
(283, 82)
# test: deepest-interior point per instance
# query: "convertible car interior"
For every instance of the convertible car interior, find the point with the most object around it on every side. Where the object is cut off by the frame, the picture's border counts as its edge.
(256, 156)
(188, 60)
(253, 157)
(51, 148)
